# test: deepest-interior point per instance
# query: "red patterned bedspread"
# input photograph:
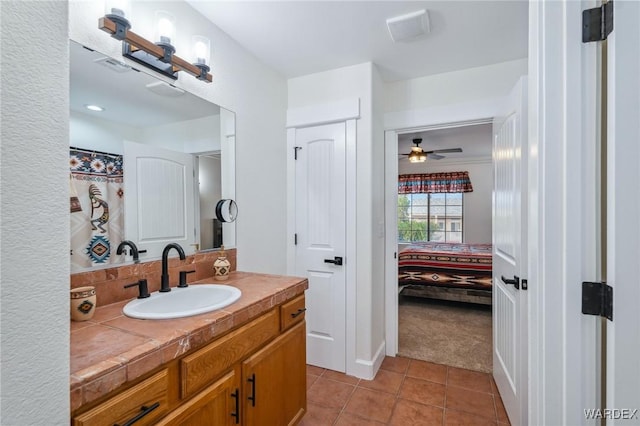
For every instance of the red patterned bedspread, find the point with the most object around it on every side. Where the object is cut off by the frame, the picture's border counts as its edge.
(446, 264)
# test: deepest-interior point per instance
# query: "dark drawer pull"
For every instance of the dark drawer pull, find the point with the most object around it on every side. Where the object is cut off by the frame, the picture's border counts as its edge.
(236, 414)
(252, 397)
(143, 412)
(296, 314)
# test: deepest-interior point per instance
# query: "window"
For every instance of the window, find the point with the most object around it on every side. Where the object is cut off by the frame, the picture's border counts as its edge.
(430, 217)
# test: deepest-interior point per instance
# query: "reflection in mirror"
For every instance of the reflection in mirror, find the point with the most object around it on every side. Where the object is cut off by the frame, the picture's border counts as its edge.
(148, 163)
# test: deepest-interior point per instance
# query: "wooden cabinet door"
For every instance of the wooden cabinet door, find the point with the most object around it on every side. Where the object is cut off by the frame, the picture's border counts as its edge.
(217, 405)
(274, 381)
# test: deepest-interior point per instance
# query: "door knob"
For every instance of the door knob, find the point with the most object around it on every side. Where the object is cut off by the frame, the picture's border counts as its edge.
(514, 282)
(336, 261)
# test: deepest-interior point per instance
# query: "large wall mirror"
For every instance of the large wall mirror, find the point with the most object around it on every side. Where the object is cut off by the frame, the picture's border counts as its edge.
(149, 167)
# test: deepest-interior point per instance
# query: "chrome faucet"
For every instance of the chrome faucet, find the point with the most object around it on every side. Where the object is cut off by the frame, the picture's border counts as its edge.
(134, 249)
(164, 283)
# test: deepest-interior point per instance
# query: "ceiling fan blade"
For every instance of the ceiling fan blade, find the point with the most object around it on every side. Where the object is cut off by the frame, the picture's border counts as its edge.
(444, 150)
(435, 156)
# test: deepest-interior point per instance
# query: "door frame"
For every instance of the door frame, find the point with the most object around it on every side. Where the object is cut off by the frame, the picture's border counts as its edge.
(564, 364)
(346, 111)
(448, 117)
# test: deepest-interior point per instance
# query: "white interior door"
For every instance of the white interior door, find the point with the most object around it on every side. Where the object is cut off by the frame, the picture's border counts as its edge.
(159, 198)
(321, 238)
(623, 215)
(509, 255)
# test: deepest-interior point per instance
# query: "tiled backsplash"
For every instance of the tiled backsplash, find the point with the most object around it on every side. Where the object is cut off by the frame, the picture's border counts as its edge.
(110, 282)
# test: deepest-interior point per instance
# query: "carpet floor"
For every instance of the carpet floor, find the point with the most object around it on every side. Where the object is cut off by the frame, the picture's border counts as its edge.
(450, 333)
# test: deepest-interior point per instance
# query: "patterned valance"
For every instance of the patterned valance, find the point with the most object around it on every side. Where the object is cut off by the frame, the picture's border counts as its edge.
(434, 182)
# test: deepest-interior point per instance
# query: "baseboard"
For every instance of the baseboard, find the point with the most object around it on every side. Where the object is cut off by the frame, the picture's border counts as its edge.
(367, 369)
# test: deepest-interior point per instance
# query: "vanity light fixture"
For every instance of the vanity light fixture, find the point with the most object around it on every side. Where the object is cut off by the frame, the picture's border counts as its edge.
(159, 56)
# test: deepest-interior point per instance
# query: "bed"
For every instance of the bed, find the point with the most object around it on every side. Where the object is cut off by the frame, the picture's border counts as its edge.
(448, 271)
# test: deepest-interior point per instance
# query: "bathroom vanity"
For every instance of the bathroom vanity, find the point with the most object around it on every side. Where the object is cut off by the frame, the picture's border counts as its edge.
(244, 364)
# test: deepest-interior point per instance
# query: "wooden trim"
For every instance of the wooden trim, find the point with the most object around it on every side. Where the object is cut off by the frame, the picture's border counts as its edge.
(138, 42)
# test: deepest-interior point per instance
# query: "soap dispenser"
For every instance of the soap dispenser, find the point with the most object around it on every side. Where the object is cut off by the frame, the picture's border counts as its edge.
(221, 266)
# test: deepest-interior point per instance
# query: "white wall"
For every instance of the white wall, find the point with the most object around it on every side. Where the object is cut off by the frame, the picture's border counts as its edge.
(194, 136)
(209, 170)
(35, 221)
(476, 204)
(347, 83)
(191, 136)
(454, 87)
(34, 294)
(450, 97)
(241, 84)
(86, 131)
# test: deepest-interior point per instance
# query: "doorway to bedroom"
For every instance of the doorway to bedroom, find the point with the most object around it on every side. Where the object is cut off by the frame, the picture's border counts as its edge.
(444, 229)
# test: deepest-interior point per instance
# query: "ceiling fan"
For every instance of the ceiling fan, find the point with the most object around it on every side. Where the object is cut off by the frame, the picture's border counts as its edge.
(418, 155)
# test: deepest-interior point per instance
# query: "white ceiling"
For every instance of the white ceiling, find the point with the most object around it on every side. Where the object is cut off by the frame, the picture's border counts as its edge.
(304, 37)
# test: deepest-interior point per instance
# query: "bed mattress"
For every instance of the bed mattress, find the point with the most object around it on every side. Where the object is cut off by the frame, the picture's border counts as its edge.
(446, 264)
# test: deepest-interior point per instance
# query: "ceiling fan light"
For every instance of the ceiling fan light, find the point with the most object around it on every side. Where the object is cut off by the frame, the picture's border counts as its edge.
(417, 157)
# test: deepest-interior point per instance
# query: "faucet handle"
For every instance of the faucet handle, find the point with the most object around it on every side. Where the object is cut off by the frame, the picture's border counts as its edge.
(183, 278)
(143, 288)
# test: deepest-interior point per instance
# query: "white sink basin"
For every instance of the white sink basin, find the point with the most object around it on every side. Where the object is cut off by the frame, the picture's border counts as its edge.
(182, 302)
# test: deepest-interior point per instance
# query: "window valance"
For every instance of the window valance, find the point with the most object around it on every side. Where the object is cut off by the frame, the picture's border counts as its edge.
(434, 183)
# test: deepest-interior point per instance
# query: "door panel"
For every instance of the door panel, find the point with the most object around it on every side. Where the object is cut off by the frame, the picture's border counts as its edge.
(320, 229)
(623, 211)
(159, 198)
(509, 255)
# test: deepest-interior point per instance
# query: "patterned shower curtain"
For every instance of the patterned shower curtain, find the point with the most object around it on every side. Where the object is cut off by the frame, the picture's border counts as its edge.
(96, 205)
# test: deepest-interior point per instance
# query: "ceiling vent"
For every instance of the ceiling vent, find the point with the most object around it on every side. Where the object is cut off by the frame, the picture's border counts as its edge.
(165, 89)
(113, 65)
(409, 26)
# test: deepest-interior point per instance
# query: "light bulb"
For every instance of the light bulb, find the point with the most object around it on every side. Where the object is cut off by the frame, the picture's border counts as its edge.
(165, 27)
(201, 50)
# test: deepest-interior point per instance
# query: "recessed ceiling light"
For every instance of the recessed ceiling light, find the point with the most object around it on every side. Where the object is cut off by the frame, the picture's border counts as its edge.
(94, 107)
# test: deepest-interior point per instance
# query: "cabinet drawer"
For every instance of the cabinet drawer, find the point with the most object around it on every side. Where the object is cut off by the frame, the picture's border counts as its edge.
(148, 396)
(292, 312)
(203, 366)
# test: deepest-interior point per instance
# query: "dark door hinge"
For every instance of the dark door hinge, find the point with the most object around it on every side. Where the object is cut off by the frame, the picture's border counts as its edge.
(295, 239)
(597, 23)
(597, 299)
(295, 152)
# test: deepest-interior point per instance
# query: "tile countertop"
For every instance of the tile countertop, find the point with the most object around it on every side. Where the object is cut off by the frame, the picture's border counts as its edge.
(112, 349)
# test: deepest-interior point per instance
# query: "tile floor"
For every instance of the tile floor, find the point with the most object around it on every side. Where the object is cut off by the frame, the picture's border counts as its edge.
(405, 392)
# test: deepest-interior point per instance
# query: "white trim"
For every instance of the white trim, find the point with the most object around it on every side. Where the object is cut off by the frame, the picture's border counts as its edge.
(391, 241)
(562, 234)
(367, 369)
(471, 113)
(350, 256)
(291, 202)
(391, 201)
(330, 112)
